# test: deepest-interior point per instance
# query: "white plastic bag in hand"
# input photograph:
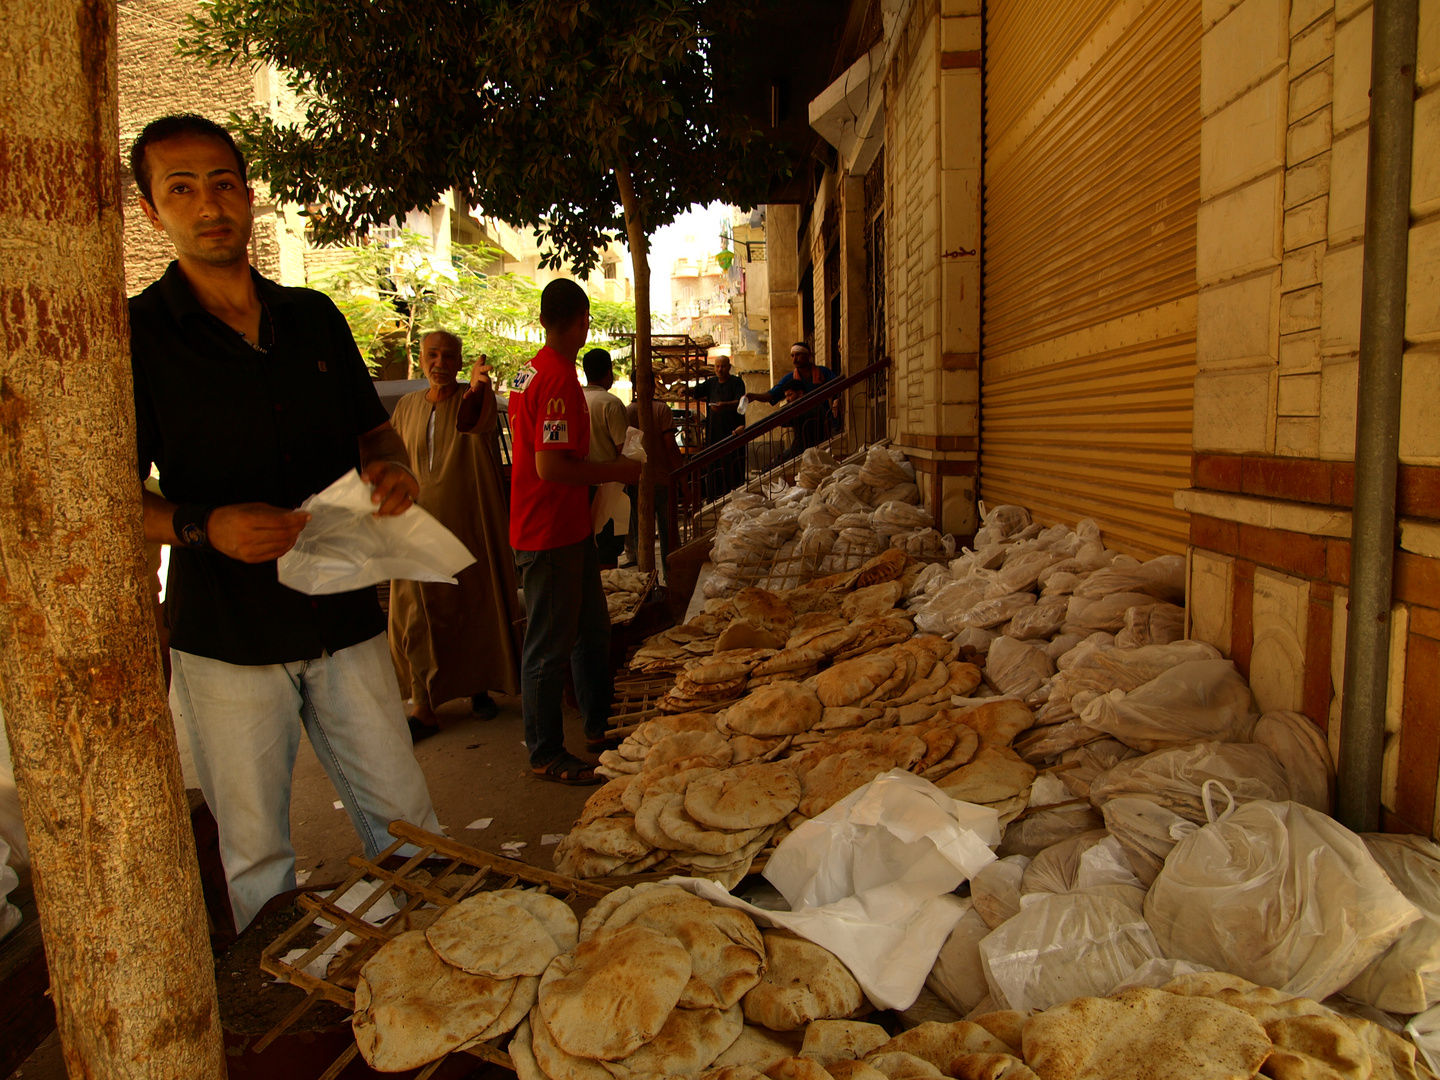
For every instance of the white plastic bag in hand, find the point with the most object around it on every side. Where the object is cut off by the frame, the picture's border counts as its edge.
(610, 504)
(345, 546)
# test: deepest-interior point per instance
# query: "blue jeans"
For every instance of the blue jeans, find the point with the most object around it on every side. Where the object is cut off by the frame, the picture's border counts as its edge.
(567, 623)
(244, 727)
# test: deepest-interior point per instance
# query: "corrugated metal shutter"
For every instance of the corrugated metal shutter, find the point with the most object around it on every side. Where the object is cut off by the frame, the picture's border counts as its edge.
(1092, 181)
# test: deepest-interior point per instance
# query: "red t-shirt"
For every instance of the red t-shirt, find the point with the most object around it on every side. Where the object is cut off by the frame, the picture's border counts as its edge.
(547, 412)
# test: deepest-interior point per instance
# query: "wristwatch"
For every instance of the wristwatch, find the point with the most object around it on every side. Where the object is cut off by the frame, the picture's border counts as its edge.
(190, 521)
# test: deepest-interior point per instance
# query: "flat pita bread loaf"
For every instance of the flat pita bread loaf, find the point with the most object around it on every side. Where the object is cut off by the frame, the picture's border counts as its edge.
(492, 935)
(765, 609)
(780, 708)
(1007, 1025)
(614, 993)
(848, 682)
(989, 1067)
(841, 1040)
(669, 779)
(1144, 1034)
(690, 1041)
(898, 1065)
(802, 982)
(747, 797)
(797, 1068)
(606, 802)
(853, 1070)
(647, 821)
(710, 745)
(758, 1048)
(744, 634)
(995, 773)
(998, 723)
(838, 775)
(554, 1061)
(685, 830)
(940, 1044)
(871, 600)
(726, 950)
(411, 1007)
(611, 836)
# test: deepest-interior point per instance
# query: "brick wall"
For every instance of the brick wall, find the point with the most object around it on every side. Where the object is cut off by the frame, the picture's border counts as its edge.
(154, 81)
(932, 214)
(1280, 248)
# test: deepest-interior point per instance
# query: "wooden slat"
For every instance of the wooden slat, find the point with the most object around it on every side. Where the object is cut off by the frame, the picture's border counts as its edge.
(1090, 225)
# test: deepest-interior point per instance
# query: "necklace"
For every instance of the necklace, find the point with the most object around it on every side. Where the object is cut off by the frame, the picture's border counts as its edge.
(265, 318)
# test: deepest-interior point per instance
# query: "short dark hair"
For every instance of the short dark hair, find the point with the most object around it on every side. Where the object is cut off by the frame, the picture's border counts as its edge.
(171, 127)
(597, 366)
(561, 303)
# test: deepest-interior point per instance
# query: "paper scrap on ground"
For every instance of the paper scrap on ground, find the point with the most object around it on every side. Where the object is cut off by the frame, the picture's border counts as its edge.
(513, 846)
(338, 805)
(302, 876)
(480, 823)
(345, 546)
(383, 908)
(551, 838)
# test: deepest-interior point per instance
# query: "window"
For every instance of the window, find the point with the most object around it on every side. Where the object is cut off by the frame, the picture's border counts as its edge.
(609, 270)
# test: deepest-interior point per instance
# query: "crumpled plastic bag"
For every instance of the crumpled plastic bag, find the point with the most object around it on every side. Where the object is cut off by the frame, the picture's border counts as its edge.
(958, 978)
(1278, 894)
(1085, 616)
(993, 612)
(346, 547)
(1406, 977)
(1204, 700)
(9, 882)
(1015, 668)
(1176, 778)
(1424, 1032)
(1099, 667)
(1040, 621)
(1065, 946)
(995, 890)
(1303, 753)
(871, 880)
(1158, 624)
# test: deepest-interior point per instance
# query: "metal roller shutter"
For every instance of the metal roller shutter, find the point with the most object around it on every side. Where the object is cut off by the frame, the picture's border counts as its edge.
(1092, 181)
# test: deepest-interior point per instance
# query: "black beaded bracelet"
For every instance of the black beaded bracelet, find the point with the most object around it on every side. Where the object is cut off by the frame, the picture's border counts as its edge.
(190, 521)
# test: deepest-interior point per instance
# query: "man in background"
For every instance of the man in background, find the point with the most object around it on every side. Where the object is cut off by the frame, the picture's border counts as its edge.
(607, 436)
(456, 641)
(664, 456)
(567, 621)
(807, 376)
(721, 394)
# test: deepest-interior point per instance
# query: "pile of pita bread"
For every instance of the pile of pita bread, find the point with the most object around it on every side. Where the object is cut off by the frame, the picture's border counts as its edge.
(624, 590)
(819, 691)
(471, 974)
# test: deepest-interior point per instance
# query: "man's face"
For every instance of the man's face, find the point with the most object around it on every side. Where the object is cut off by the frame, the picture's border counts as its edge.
(722, 367)
(198, 199)
(800, 357)
(440, 360)
(791, 394)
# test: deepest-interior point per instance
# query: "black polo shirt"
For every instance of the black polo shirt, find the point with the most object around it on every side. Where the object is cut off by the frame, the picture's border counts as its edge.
(225, 423)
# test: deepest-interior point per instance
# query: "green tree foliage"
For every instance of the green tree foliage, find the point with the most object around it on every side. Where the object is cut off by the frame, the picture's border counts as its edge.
(574, 117)
(392, 293)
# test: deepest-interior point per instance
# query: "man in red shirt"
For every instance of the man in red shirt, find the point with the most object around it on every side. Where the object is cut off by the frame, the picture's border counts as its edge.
(567, 621)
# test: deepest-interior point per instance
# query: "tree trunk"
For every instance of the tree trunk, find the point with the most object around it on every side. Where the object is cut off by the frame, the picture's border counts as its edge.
(90, 731)
(640, 261)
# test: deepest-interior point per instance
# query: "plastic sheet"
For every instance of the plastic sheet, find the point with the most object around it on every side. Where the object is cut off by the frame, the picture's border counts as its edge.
(1107, 613)
(1192, 702)
(1278, 894)
(871, 879)
(1063, 947)
(345, 546)
(1406, 977)
(993, 612)
(1040, 621)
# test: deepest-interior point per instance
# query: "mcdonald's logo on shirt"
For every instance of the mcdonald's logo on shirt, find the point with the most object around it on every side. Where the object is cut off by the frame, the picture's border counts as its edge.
(555, 405)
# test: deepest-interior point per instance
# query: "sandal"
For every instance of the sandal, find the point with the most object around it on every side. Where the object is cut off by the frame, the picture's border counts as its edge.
(420, 730)
(568, 769)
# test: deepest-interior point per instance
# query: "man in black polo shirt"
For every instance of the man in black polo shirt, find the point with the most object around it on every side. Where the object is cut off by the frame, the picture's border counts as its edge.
(249, 398)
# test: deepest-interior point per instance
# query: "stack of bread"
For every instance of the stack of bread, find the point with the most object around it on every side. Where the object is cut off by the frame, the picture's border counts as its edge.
(624, 590)
(471, 975)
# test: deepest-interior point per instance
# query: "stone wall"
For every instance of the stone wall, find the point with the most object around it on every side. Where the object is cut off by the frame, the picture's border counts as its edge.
(1280, 247)
(932, 212)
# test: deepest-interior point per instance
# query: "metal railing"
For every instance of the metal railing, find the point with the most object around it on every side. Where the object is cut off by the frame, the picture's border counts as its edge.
(841, 416)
